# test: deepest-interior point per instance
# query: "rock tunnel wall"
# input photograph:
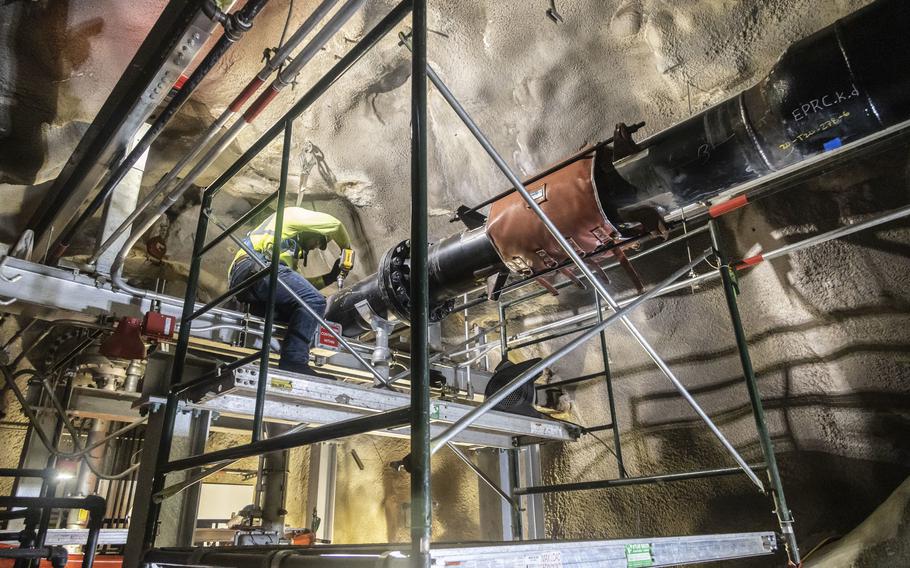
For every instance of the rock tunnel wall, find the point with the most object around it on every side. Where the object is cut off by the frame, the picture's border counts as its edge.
(827, 326)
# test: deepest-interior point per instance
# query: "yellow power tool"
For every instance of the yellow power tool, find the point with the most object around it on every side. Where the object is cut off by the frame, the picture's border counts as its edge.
(346, 264)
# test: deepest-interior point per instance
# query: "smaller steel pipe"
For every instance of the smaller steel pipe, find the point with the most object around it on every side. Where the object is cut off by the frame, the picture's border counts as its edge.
(629, 481)
(49, 473)
(361, 425)
(419, 308)
(549, 337)
(894, 215)
(242, 21)
(236, 105)
(461, 424)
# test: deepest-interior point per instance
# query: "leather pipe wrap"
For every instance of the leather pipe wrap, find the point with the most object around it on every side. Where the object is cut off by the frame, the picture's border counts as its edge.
(834, 87)
(843, 83)
(569, 198)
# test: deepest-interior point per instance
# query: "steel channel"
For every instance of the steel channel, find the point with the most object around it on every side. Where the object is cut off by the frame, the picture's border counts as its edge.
(203, 141)
(579, 262)
(421, 456)
(506, 390)
(273, 283)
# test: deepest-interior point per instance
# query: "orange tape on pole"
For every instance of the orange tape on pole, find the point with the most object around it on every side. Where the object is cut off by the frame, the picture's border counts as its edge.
(727, 206)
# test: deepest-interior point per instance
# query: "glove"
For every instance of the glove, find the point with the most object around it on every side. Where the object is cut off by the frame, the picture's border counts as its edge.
(331, 276)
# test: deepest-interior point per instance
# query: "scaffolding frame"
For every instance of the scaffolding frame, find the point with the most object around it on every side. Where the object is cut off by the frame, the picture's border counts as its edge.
(418, 414)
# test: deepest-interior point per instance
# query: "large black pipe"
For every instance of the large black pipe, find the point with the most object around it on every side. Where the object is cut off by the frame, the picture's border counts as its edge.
(840, 84)
(837, 86)
(456, 263)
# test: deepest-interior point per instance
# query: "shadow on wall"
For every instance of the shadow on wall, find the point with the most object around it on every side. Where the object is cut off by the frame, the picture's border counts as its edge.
(39, 53)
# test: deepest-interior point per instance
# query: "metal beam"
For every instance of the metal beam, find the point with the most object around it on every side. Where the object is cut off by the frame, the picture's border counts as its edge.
(180, 31)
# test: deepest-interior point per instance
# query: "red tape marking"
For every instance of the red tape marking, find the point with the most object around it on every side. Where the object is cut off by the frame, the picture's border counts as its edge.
(727, 206)
(245, 94)
(747, 262)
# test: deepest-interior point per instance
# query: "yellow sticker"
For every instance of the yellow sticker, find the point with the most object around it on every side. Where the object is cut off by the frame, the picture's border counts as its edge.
(282, 384)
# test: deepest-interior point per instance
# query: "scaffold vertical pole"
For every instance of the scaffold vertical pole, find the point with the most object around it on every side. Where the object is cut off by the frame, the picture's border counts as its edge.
(608, 378)
(784, 516)
(420, 298)
(275, 264)
(151, 478)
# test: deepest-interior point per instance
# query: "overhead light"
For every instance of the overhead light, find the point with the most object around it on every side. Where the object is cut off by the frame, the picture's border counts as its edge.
(65, 475)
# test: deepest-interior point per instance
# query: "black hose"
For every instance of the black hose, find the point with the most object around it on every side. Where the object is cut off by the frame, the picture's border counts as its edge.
(235, 26)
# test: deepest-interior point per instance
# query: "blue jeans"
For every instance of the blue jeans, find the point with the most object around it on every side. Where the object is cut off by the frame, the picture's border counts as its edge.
(295, 351)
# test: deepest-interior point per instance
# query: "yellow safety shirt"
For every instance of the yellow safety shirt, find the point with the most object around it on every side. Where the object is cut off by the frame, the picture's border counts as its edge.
(299, 224)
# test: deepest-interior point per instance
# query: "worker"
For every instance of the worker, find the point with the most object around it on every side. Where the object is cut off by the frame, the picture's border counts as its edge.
(302, 231)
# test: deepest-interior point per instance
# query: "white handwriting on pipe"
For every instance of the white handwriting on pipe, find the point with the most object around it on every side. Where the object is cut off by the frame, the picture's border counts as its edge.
(828, 100)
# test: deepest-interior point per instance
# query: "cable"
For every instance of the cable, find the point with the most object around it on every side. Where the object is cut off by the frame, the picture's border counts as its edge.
(29, 413)
(817, 547)
(622, 469)
(598, 438)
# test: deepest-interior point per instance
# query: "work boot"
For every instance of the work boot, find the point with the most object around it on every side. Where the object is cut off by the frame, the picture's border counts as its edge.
(303, 369)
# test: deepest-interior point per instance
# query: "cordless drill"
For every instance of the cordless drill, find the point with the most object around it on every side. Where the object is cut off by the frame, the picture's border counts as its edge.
(346, 264)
